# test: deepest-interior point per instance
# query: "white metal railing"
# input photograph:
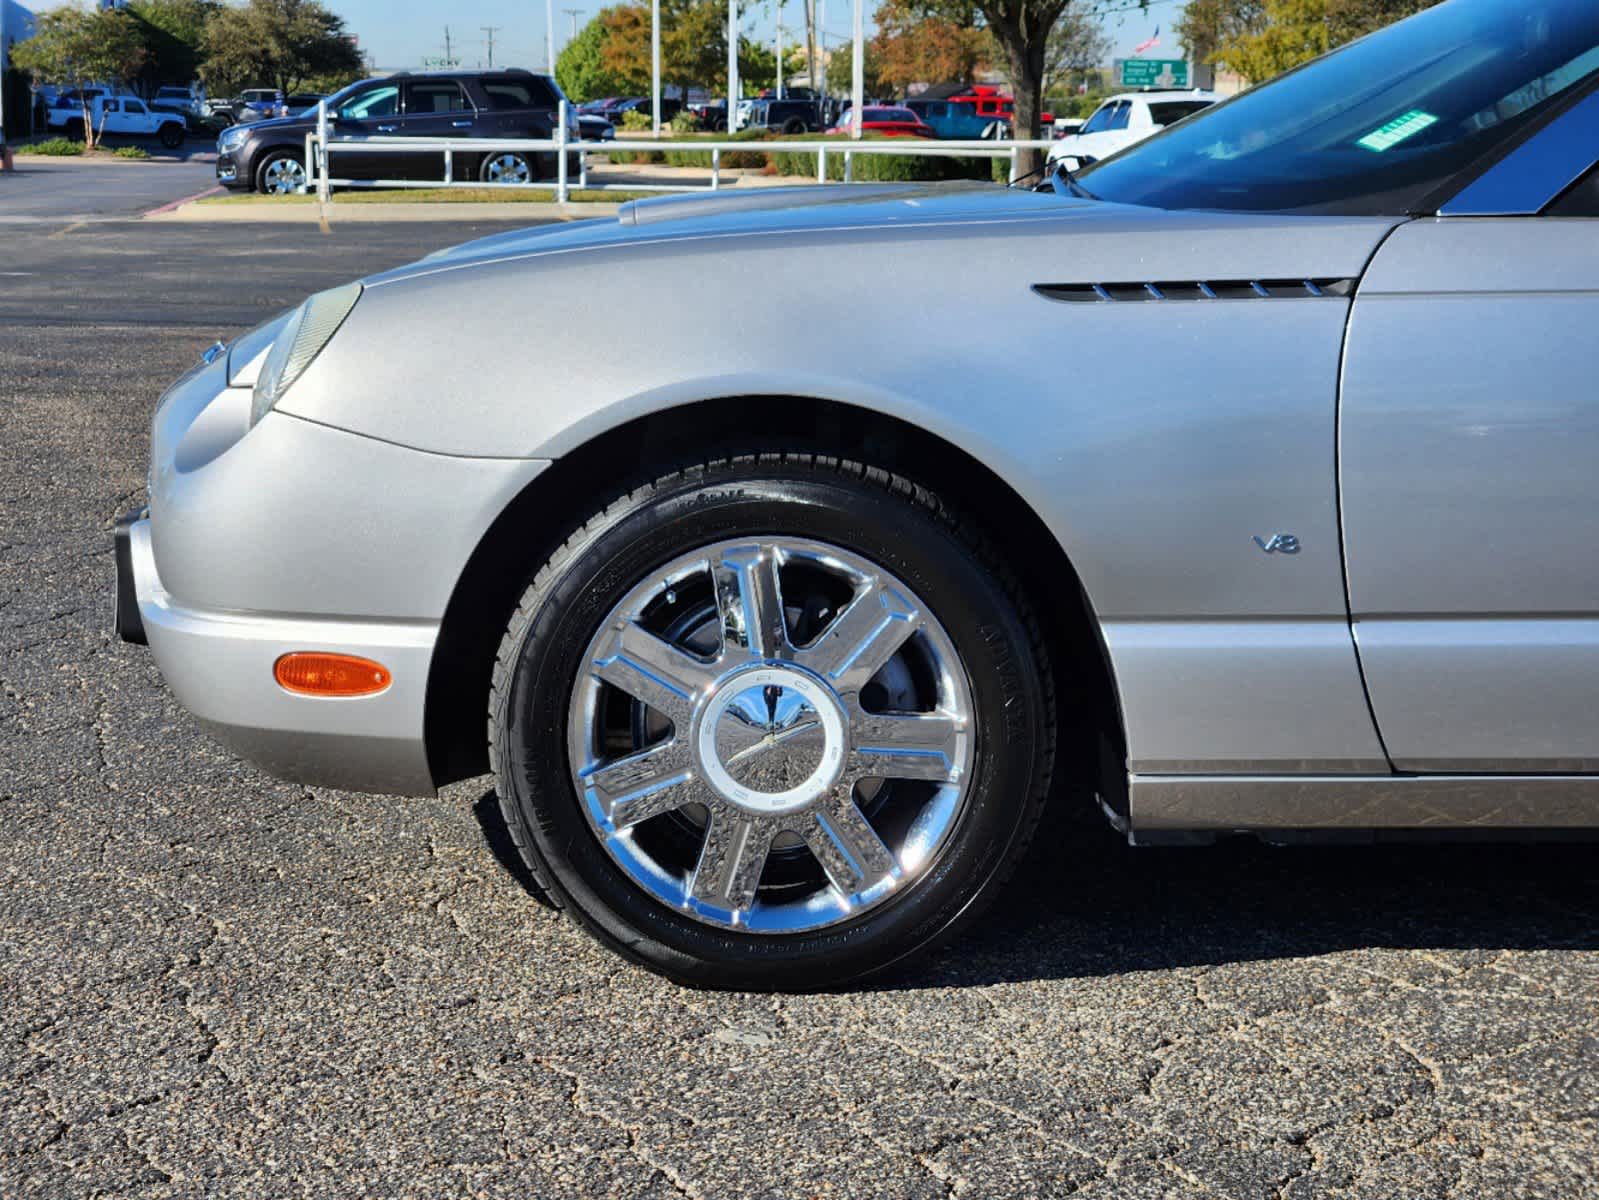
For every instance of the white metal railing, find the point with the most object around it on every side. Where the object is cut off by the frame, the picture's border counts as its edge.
(321, 148)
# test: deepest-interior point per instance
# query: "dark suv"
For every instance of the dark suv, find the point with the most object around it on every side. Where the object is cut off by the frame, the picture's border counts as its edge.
(788, 116)
(269, 156)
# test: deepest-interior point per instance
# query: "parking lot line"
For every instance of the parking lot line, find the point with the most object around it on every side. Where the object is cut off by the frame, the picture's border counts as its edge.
(171, 204)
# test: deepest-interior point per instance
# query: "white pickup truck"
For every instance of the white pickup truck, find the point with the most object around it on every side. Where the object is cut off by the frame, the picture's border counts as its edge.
(125, 116)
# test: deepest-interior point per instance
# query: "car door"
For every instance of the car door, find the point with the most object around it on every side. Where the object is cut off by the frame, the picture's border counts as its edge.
(371, 112)
(437, 108)
(1469, 469)
(135, 118)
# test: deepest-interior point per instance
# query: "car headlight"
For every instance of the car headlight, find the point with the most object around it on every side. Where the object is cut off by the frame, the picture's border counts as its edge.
(309, 329)
(230, 137)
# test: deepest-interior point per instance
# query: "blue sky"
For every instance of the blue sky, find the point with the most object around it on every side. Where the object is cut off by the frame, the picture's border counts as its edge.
(399, 33)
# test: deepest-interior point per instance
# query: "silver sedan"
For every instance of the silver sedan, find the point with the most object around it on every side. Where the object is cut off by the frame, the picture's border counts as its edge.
(1271, 508)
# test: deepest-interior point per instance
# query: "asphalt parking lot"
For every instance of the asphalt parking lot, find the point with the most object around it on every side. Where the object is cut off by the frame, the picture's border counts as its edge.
(215, 983)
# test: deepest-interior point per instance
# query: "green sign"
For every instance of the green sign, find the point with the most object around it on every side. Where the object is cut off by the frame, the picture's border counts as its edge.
(1154, 73)
(1397, 130)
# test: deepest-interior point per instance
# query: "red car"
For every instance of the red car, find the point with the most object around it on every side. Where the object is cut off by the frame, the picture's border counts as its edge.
(890, 122)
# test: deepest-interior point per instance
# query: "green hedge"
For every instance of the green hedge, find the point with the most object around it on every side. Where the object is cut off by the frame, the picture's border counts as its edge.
(884, 168)
(877, 168)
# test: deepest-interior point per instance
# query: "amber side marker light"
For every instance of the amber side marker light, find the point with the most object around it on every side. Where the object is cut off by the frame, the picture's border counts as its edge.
(309, 674)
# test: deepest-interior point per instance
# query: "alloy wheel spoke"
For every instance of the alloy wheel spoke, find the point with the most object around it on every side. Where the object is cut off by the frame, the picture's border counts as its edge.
(904, 746)
(650, 669)
(644, 785)
(846, 845)
(731, 860)
(862, 638)
(750, 600)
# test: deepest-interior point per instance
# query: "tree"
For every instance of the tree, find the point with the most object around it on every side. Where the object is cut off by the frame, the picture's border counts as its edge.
(693, 50)
(841, 71)
(580, 68)
(171, 31)
(916, 46)
(73, 48)
(1078, 43)
(1021, 31)
(1262, 38)
(281, 43)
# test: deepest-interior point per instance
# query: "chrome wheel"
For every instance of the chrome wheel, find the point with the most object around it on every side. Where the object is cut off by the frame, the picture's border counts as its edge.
(772, 735)
(507, 168)
(283, 177)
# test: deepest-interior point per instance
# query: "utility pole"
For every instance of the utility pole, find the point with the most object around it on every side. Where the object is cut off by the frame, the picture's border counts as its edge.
(779, 48)
(491, 30)
(549, 34)
(449, 58)
(574, 13)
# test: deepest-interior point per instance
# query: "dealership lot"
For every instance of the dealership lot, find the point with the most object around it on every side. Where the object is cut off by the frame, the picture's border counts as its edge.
(214, 982)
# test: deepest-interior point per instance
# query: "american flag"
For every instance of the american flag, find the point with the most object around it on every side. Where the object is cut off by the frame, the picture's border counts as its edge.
(1153, 41)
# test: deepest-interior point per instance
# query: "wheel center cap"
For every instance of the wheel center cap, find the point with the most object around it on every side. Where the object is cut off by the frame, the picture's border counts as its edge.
(771, 740)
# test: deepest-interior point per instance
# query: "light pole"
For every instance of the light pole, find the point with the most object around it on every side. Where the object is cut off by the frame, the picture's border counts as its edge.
(779, 48)
(732, 67)
(549, 34)
(858, 70)
(655, 65)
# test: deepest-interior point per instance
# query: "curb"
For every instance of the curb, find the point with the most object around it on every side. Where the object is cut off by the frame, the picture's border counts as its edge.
(275, 212)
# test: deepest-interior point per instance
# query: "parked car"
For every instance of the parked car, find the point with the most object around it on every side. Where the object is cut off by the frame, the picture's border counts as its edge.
(67, 108)
(712, 115)
(788, 117)
(126, 116)
(889, 122)
(301, 103)
(183, 98)
(256, 104)
(968, 111)
(1127, 119)
(785, 646)
(593, 128)
(269, 156)
(669, 109)
(952, 119)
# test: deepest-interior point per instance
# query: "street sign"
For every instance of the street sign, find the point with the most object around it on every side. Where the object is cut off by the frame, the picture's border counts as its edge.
(1154, 73)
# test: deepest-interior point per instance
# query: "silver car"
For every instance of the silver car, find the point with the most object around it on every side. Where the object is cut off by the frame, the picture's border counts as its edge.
(779, 647)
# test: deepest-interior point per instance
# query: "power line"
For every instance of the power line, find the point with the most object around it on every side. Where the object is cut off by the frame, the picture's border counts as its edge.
(491, 30)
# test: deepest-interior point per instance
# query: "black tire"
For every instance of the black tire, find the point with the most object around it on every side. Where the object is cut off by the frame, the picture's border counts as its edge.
(793, 126)
(73, 130)
(883, 517)
(171, 135)
(275, 156)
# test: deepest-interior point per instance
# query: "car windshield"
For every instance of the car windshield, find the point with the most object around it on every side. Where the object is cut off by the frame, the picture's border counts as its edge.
(1375, 127)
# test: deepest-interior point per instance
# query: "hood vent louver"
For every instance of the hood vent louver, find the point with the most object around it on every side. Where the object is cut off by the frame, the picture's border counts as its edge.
(1219, 289)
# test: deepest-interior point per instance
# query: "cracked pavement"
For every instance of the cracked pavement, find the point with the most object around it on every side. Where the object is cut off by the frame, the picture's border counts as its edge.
(216, 983)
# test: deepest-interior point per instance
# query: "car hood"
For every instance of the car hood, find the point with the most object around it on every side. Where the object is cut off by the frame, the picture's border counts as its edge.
(1252, 243)
(280, 124)
(758, 211)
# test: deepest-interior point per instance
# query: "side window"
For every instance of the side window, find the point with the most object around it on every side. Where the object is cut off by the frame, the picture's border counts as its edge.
(1118, 119)
(506, 94)
(378, 102)
(1100, 120)
(132, 106)
(435, 96)
(1581, 199)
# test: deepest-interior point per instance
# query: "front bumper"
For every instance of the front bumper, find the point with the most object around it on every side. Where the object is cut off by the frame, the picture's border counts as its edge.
(296, 536)
(228, 170)
(219, 666)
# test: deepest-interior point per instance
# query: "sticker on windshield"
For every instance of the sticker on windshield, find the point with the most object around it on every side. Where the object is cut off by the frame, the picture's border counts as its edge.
(1397, 130)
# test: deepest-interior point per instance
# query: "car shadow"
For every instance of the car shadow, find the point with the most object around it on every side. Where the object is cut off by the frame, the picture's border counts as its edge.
(1086, 904)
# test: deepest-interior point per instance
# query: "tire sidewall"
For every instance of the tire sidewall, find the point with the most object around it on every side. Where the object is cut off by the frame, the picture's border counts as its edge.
(592, 576)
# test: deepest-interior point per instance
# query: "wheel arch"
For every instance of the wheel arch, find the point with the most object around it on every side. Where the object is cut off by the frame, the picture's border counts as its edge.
(595, 472)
